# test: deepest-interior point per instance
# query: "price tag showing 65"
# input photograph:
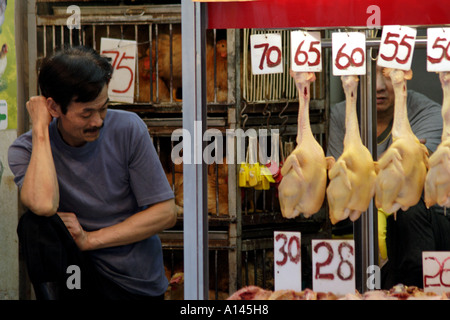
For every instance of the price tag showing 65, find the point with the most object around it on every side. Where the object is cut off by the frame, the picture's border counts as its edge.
(306, 51)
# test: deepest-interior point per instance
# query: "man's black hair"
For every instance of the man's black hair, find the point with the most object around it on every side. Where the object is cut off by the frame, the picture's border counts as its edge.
(74, 74)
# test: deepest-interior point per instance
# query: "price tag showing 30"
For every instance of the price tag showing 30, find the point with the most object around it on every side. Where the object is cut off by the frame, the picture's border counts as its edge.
(349, 53)
(287, 256)
(266, 53)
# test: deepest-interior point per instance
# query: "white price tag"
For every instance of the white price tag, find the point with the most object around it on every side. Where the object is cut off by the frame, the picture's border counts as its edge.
(438, 55)
(287, 260)
(333, 266)
(123, 60)
(436, 271)
(397, 47)
(349, 53)
(306, 51)
(266, 52)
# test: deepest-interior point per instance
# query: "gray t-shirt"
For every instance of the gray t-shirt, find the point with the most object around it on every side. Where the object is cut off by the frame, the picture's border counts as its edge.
(103, 183)
(424, 116)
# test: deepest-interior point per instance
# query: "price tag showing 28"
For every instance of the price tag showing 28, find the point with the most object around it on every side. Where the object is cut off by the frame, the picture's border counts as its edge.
(397, 47)
(333, 266)
(349, 53)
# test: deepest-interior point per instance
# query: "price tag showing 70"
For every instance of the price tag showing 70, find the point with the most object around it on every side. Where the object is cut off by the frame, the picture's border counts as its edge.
(266, 53)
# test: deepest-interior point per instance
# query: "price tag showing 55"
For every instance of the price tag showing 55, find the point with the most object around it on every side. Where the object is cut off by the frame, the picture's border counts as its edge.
(397, 47)
(266, 53)
(349, 53)
(306, 51)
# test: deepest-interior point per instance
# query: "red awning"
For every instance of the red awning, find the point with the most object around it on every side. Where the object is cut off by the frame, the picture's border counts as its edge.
(326, 13)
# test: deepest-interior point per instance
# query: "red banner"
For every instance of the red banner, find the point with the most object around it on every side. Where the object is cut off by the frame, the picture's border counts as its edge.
(326, 13)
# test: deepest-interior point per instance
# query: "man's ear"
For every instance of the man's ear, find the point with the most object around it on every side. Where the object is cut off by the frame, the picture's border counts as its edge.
(53, 108)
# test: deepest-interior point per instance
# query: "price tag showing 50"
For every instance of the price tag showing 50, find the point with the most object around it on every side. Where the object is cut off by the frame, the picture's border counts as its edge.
(349, 53)
(266, 53)
(438, 55)
(396, 47)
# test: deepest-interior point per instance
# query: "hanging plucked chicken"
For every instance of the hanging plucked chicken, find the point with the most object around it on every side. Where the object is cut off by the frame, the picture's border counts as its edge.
(437, 183)
(352, 178)
(403, 166)
(302, 189)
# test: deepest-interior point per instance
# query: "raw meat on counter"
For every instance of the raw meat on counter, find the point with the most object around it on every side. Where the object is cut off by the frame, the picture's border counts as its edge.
(402, 168)
(437, 182)
(398, 292)
(302, 189)
(352, 177)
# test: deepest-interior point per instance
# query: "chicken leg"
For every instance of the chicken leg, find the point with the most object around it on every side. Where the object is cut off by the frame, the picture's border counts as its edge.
(403, 166)
(437, 182)
(352, 178)
(302, 189)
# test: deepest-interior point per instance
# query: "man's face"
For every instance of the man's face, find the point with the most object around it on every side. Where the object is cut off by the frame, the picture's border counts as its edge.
(83, 120)
(385, 92)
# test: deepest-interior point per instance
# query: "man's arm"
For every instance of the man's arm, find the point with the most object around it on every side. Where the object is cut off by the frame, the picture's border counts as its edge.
(137, 227)
(40, 191)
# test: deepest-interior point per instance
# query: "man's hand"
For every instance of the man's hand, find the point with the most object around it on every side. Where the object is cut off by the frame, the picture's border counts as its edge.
(39, 114)
(76, 230)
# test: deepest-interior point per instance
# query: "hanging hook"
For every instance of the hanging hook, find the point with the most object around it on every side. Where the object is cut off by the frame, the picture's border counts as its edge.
(285, 118)
(245, 116)
(267, 112)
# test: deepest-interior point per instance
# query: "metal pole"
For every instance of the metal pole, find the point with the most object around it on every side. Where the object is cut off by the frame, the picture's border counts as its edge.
(366, 228)
(195, 219)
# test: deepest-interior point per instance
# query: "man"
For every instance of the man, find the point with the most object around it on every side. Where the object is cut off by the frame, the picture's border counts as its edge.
(97, 169)
(417, 229)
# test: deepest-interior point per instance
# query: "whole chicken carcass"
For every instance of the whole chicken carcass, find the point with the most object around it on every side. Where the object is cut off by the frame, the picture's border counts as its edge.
(402, 168)
(302, 189)
(437, 182)
(352, 177)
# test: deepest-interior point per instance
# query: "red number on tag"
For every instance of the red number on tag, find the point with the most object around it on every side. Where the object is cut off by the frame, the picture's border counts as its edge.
(293, 258)
(444, 50)
(439, 273)
(339, 271)
(267, 55)
(326, 262)
(403, 42)
(119, 66)
(299, 52)
(350, 58)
